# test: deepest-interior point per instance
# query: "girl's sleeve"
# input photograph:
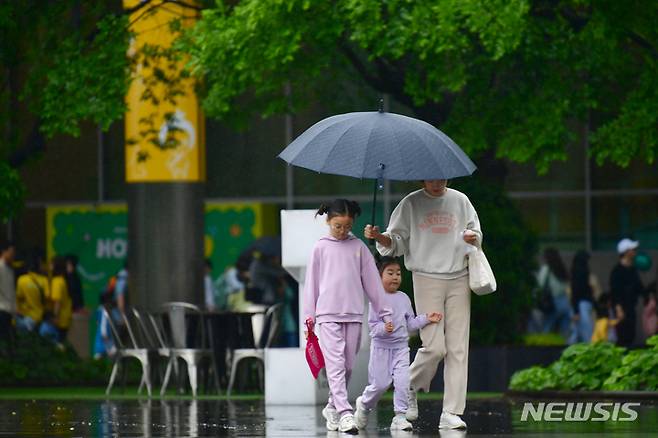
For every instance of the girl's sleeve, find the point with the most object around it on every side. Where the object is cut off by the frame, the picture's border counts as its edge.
(375, 323)
(372, 284)
(397, 231)
(473, 222)
(414, 322)
(311, 286)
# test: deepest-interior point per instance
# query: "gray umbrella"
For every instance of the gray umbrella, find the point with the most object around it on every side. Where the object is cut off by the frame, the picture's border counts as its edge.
(378, 145)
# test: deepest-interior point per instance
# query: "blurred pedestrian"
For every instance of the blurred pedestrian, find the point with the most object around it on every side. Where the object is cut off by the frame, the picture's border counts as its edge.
(7, 293)
(31, 292)
(626, 287)
(608, 317)
(554, 276)
(62, 305)
(74, 283)
(209, 292)
(584, 290)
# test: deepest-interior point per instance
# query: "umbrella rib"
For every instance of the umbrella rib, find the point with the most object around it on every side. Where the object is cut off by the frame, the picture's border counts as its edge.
(450, 144)
(365, 154)
(331, 150)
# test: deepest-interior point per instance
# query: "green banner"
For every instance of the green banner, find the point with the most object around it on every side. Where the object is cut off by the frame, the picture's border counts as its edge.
(98, 235)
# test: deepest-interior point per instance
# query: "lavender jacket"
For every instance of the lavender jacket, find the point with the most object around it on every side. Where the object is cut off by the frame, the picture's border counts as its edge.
(339, 272)
(404, 321)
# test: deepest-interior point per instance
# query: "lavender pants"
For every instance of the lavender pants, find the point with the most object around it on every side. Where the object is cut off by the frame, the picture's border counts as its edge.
(340, 342)
(386, 366)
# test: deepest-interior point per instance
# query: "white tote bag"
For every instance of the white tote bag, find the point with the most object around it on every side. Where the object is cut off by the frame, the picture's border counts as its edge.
(481, 279)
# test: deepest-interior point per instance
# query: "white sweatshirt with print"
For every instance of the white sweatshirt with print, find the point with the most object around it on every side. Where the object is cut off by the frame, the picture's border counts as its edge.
(427, 230)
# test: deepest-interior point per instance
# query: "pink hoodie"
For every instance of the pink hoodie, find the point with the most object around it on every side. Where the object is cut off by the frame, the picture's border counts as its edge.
(339, 272)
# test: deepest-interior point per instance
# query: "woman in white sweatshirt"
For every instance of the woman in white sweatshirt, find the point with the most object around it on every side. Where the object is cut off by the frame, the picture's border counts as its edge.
(432, 227)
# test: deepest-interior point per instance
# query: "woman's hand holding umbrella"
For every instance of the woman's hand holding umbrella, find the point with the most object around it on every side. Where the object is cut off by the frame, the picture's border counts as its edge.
(372, 232)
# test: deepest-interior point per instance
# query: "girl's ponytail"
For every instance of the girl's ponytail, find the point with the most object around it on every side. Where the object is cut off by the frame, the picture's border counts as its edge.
(324, 209)
(339, 207)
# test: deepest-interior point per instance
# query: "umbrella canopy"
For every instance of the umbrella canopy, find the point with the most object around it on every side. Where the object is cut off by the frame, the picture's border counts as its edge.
(378, 145)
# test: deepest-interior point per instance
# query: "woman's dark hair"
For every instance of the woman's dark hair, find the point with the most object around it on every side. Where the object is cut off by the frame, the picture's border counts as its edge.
(385, 262)
(603, 304)
(580, 274)
(34, 260)
(555, 264)
(339, 207)
(59, 266)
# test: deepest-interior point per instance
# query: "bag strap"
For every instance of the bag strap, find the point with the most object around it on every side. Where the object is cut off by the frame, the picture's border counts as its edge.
(36, 283)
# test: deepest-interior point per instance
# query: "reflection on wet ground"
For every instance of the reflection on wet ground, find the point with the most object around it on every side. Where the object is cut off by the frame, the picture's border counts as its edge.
(175, 418)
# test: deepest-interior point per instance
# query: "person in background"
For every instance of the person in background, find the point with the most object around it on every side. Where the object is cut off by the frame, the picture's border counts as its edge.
(104, 343)
(608, 317)
(209, 292)
(584, 290)
(626, 287)
(59, 301)
(7, 293)
(117, 288)
(74, 283)
(554, 275)
(649, 315)
(31, 292)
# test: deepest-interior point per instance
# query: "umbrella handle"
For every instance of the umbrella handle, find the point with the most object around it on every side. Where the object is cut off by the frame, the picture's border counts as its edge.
(379, 184)
(371, 242)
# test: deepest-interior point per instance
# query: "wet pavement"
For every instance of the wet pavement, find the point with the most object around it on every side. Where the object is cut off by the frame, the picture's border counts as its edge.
(206, 418)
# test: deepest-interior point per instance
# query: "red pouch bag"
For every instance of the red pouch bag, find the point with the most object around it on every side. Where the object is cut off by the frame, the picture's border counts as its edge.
(313, 352)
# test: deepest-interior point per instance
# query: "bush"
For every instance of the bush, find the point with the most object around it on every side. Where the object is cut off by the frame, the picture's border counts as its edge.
(638, 370)
(580, 367)
(534, 379)
(586, 366)
(543, 340)
(36, 361)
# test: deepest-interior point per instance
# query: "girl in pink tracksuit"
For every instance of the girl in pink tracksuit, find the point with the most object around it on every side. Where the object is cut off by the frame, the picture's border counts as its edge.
(341, 269)
(389, 351)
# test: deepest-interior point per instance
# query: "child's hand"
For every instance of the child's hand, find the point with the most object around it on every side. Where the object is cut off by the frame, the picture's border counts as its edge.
(434, 317)
(388, 327)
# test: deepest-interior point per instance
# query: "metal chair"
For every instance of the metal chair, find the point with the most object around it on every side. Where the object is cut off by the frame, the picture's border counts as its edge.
(151, 338)
(123, 352)
(181, 333)
(271, 326)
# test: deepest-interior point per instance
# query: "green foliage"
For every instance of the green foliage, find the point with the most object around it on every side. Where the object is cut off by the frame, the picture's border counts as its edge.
(11, 192)
(83, 80)
(524, 78)
(586, 366)
(509, 245)
(638, 370)
(580, 367)
(36, 361)
(533, 379)
(543, 339)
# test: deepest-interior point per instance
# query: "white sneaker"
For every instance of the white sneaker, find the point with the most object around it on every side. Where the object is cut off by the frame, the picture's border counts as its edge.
(331, 415)
(361, 414)
(412, 406)
(451, 421)
(347, 425)
(400, 423)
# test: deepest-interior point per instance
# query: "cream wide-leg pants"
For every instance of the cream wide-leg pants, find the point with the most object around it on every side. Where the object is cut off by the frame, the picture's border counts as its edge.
(447, 340)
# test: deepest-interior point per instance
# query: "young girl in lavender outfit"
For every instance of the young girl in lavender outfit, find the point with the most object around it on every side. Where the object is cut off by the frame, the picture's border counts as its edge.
(341, 269)
(389, 351)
